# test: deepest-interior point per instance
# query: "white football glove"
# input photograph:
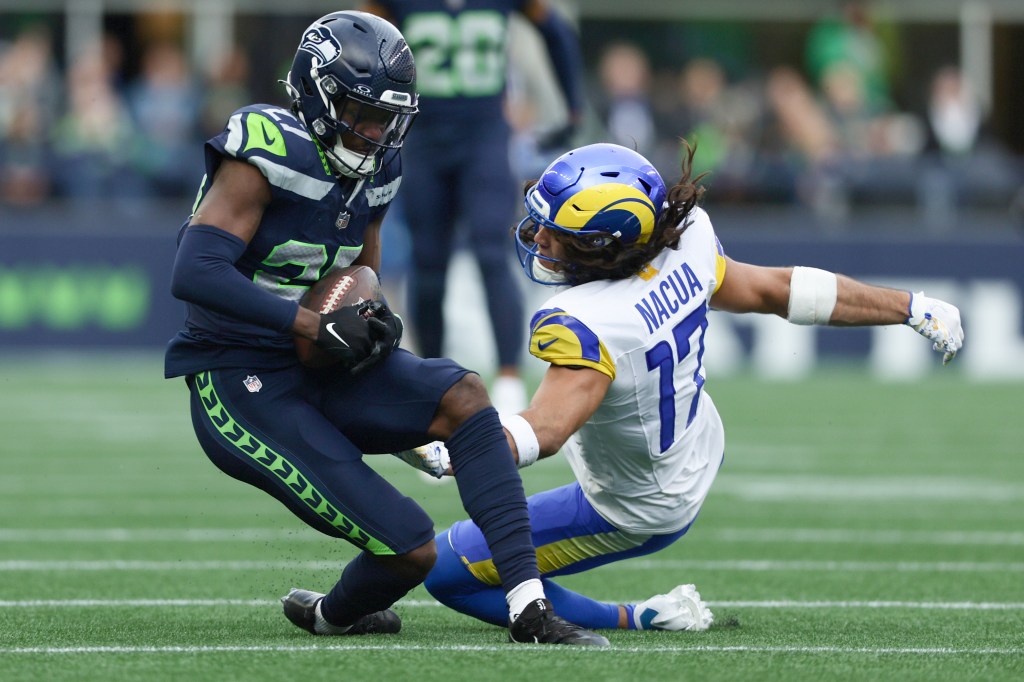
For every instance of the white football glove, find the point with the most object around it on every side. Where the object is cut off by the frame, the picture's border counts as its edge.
(937, 321)
(431, 458)
(680, 609)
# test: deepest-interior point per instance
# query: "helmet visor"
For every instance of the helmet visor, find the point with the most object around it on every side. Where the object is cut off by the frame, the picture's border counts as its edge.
(368, 127)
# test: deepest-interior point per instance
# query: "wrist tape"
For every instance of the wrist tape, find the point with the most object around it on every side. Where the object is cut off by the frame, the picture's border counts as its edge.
(524, 438)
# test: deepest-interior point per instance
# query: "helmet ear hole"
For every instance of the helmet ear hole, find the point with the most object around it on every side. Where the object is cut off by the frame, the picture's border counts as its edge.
(307, 88)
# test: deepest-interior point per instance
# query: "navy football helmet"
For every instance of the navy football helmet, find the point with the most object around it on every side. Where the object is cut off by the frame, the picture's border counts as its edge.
(600, 193)
(352, 83)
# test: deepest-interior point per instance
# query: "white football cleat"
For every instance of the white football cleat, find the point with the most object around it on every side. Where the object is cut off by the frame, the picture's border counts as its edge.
(680, 609)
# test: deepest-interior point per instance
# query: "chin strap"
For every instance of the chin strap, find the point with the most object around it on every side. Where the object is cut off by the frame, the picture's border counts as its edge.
(346, 161)
(544, 275)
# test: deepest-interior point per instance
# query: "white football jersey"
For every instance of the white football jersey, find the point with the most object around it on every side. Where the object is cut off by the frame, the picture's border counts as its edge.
(647, 457)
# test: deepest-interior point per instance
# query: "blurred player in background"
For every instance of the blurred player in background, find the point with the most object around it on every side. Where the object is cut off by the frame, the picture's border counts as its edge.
(457, 165)
(289, 196)
(624, 390)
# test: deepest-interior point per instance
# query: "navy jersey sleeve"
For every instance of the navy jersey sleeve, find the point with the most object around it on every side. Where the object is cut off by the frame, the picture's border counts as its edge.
(276, 143)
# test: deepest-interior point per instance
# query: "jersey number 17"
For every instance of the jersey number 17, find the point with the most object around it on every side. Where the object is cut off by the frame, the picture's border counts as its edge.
(662, 358)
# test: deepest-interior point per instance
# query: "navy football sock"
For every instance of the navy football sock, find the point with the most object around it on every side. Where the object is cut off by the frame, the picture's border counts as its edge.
(492, 494)
(366, 586)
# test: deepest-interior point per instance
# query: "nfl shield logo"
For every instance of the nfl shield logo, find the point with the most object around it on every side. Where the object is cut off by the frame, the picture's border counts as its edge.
(342, 222)
(253, 383)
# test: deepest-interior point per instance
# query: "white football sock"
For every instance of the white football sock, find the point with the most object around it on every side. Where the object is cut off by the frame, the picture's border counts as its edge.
(520, 596)
(323, 627)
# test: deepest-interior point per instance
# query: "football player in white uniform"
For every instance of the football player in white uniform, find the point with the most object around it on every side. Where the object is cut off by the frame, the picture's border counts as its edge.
(623, 397)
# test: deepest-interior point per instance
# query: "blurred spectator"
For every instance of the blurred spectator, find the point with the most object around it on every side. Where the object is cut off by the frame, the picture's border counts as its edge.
(848, 37)
(801, 124)
(877, 144)
(226, 91)
(963, 164)
(28, 106)
(721, 119)
(864, 131)
(96, 143)
(805, 141)
(954, 113)
(164, 103)
(624, 98)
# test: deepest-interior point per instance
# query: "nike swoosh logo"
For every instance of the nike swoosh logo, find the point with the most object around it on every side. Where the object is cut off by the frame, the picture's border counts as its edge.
(266, 138)
(542, 346)
(330, 330)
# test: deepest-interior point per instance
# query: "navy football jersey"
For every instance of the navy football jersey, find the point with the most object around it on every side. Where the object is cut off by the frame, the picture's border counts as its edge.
(312, 225)
(461, 55)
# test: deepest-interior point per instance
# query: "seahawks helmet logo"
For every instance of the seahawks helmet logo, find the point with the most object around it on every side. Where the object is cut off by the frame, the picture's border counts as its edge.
(321, 43)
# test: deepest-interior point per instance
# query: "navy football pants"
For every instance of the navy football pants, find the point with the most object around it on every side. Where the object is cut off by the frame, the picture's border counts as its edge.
(301, 437)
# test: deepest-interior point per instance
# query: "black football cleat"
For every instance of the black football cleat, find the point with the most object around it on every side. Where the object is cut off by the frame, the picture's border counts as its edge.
(300, 609)
(539, 624)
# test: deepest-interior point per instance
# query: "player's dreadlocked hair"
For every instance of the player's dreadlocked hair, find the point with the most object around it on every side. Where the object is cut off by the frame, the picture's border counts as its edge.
(588, 258)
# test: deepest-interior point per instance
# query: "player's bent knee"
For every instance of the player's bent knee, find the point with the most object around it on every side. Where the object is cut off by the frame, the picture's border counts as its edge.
(416, 564)
(464, 399)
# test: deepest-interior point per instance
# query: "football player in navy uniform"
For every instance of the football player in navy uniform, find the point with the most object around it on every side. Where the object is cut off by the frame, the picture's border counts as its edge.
(457, 165)
(289, 195)
(640, 267)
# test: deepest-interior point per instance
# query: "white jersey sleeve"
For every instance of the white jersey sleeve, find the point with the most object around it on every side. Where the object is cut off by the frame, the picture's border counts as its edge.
(647, 457)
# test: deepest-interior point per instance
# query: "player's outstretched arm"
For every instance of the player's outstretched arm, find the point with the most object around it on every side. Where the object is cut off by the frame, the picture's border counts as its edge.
(812, 296)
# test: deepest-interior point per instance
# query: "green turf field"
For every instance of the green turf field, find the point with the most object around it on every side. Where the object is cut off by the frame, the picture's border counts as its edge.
(858, 531)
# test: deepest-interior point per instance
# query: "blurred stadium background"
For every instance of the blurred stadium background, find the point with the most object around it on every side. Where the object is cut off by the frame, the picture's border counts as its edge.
(881, 139)
(859, 530)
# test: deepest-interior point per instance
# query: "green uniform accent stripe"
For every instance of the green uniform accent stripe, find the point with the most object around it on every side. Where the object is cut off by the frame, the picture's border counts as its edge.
(323, 157)
(264, 134)
(257, 451)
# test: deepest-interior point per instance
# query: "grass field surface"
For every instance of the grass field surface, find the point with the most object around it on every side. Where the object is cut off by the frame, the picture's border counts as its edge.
(857, 531)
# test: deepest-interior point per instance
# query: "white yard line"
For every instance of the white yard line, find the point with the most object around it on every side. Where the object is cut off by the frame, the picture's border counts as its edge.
(743, 565)
(428, 603)
(129, 565)
(866, 537)
(756, 566)
(518, 648)
(92, 535)
(800, 535)
(810, 488)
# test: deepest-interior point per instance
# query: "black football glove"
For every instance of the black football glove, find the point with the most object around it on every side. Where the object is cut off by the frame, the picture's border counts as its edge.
(346, 334)
(386, 331)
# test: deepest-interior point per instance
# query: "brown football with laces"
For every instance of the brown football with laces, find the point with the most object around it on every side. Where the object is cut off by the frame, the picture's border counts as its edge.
(350, 285)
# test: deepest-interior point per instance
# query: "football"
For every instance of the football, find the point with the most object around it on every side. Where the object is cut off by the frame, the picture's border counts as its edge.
(338, 288)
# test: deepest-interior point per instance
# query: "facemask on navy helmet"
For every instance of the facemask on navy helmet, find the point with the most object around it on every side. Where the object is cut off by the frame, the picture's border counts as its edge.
(352, 83)
(602, 194)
